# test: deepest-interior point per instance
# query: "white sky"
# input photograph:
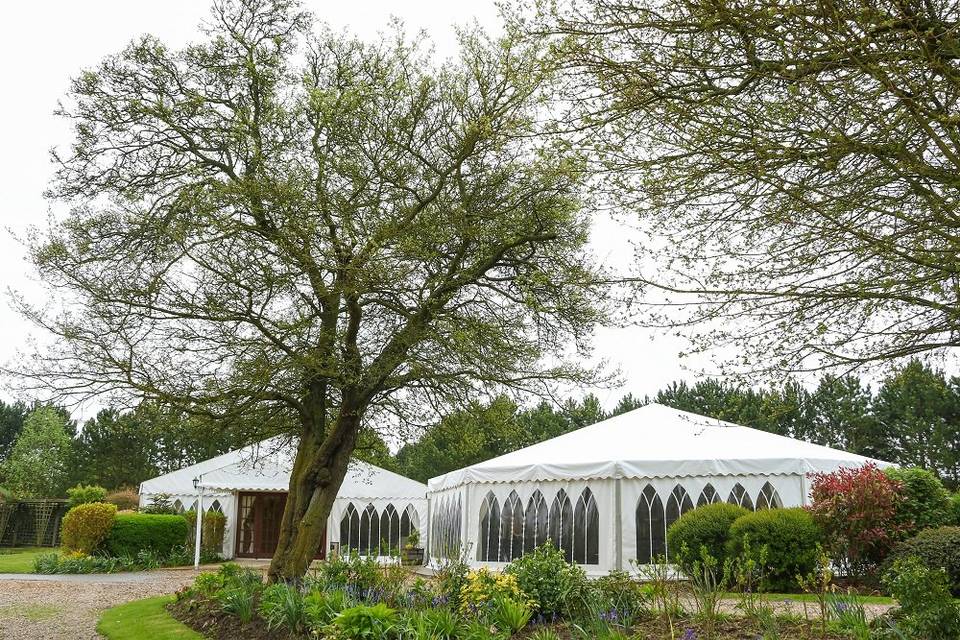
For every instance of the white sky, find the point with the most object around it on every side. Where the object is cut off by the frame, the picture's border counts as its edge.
(45, 42)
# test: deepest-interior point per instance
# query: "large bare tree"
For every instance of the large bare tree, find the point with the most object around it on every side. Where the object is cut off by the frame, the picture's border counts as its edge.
(795, 162)
(282, 224)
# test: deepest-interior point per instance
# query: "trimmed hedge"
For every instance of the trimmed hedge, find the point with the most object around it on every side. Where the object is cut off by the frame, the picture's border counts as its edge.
(707, 526)
(85, 494)
(86, 526)
(790, 537)
(954, 511)
(937, 548)
(134, 532)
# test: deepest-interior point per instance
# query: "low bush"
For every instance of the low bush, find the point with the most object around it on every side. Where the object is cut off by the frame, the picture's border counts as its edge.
(546, 578)
(786, 539)
(86, 526)
(126, 499)
(85, 494)
(281, 607)
(927, 610)
(510, 615)
(926, 502)
(320, 608)
(485, 587)
(214, 525)
(707, 526)
(431, 624)
(953, 510)
(857, 509)
(160, 504)
(364, 621)
(937, 549)
(134, 532)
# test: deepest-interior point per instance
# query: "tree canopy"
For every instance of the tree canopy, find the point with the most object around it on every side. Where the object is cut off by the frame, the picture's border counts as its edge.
(39, 462)
(795, 163)
(280, 225)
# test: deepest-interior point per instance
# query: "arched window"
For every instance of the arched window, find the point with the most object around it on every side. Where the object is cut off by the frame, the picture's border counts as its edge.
(489, 531)
(369, 532)
(768, 498)
(409, 522)
(390, 531)
(709, 495)
(535, 522)
(445, 526)
(511, 528)
(215, 506)
(586, 530)
(349, 530)
(678, 504)
(651, 539)
(561, 524)
(740, 497)
(178, 506)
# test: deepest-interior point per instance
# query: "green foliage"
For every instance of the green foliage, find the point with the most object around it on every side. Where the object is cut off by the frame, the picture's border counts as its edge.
(364, 622)
(510, 614)
(954, 510)
(484, 587)
(160, 504)
(936, 549)
(432, 624)
(239, 601)
(451, 579)
(83, 494)
(86, 526)
(281, 607)
(927, 609)
(133, 532)
(321, 607)
(926, 502)
(706, 526)
(546, 578)
(791, 539)
(39, 462)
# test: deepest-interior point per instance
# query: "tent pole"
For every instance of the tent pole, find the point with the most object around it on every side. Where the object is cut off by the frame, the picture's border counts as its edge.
(618, 525)
(199, 519)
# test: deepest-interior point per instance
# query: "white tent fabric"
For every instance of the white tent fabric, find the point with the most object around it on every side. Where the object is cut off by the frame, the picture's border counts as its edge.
(655, 441)
(266, 467)
(646, 467)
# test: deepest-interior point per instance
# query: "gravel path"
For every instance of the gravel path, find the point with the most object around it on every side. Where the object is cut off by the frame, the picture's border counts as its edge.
(69, 607)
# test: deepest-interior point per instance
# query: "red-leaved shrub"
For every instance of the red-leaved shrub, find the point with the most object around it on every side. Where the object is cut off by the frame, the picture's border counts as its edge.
(857, 509)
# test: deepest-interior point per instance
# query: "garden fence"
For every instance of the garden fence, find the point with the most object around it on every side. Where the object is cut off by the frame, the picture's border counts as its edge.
(31, 523)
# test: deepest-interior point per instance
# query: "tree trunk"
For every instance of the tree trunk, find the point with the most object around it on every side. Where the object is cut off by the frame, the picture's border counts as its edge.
(318, 471)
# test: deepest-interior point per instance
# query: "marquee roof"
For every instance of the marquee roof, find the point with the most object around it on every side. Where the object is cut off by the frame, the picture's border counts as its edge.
(265, 466)
(655, 441)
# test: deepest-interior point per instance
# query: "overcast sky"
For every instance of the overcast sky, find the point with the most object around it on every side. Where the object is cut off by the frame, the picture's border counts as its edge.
(45, 42)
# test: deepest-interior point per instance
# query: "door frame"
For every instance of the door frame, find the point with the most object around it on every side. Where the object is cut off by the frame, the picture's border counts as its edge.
(258, 530)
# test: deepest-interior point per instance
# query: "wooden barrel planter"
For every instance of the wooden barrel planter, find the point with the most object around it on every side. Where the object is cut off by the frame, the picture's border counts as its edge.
(412, 557)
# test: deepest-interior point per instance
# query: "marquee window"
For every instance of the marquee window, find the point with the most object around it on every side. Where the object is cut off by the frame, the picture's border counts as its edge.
(216, 506)
(178, 506)
(561, 524)
(740, 497)
(445, 538)
(709, 495)
(650, 525)
(586, 530)
(678, 504)
(409, 523)
(535, 522)
(506, 533)
(369, 532)
(350, 529)
(768, 498)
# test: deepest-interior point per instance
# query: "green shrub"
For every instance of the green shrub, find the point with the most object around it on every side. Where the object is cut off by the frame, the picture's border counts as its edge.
(321, 607)
(432, 624)
(366, 622)
(707, 526)
(85, 494)
(125, 499)
(937, 549)
(281, 607)
(86, 526)
(927, 609)
(546, 578)
(926, 503)
(208, 584)
(510, 614)
(133, 532)
(953, 512)
(214, 526)
(786, 538)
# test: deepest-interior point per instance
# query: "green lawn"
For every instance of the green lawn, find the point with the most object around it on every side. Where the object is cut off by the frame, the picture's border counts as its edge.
(144, 620)
(20, 560)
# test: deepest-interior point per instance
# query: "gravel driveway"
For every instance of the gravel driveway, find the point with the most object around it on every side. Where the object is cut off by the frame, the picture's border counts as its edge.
(38, 607)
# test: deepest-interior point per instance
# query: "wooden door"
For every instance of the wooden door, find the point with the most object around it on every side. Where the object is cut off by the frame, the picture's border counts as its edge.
(258, 525)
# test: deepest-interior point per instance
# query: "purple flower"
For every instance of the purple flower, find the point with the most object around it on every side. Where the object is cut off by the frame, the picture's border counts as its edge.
(689, 634)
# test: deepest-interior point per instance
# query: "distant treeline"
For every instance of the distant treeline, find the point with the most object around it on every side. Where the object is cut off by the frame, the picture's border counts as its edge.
(911, 418)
